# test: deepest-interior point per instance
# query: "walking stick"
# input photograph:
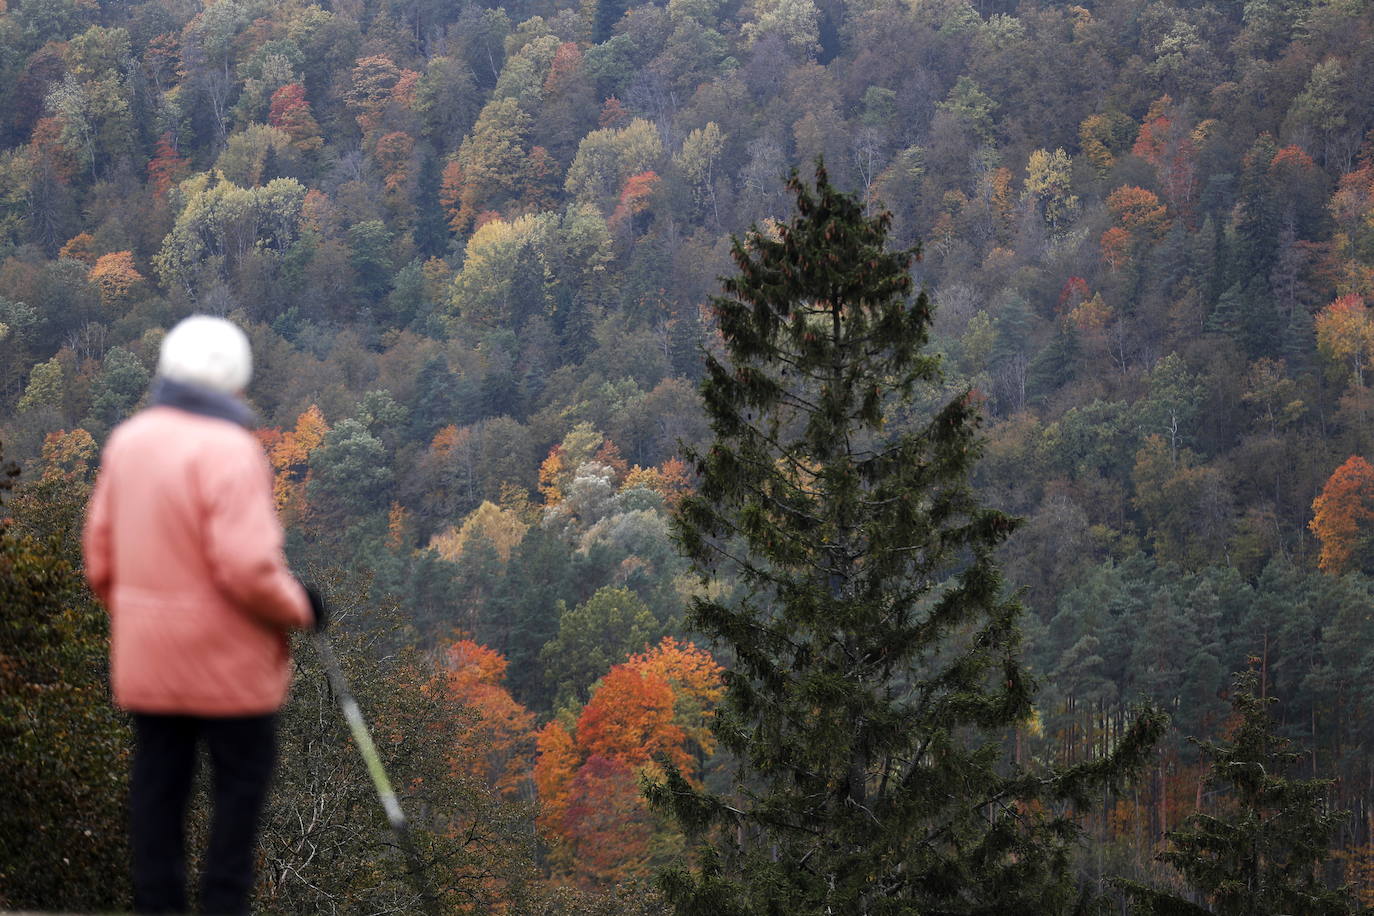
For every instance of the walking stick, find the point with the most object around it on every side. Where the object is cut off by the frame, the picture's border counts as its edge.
(363, 738)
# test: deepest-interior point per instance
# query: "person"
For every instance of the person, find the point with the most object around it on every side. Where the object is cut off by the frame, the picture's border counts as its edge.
(183, 546)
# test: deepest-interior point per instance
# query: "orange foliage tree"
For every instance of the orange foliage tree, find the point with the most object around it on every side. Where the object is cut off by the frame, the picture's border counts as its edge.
(608, 824)
(167, 167)
(554, 770)
(552, 471)
(1138, 210)
(290, 457)
(1352, 210)
(634, 198)
(609, 455)
(540, 179)
(393, 155)
(115, 276)
(451, 194)
(1116, 247)
(1165, 144)
(613, 114)
(1138, 216)
(696, 682)
(46, 141)
(68, 455)
(1357, 867)
(630, 718)
(397, 527)
(373, 79)
(502, 727)
(655, 706)
(78, 248)
(565, 71)
(1342, 513)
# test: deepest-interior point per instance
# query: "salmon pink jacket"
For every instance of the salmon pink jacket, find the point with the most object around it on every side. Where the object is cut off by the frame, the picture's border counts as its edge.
(183, 545)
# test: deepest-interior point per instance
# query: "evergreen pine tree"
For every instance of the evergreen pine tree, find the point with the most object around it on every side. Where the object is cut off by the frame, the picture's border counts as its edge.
(431, 223)
(573, 320)
(1264, 856)
(1056, 365)
(271, 166)
(435, 401)
(525, 606)
(605, 15)
(875, 673)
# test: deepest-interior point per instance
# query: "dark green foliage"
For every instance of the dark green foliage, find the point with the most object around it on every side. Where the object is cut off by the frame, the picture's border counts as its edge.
(574, 321)
(499, 391)
(407, 300)
(607, 628)
(64, 748)
(122, 381)
(876, 663)
(431, 226)
(434, 404)
(352, 473)
(524, 612)
(528, 297)
(1264, 851)
(1055, 366)
(604, 17)
(42, 21)
(370, 243)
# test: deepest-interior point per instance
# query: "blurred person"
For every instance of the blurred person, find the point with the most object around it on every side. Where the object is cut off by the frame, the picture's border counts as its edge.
(183, 546)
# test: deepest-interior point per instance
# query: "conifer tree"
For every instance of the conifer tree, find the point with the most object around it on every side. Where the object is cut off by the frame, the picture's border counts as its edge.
(431, 223)
(874, 676)
(1264, 856)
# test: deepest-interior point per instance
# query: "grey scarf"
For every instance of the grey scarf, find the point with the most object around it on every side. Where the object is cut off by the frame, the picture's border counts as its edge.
(199, 400)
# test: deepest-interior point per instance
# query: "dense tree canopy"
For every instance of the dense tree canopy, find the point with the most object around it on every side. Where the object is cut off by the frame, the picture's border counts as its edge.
(474, 248)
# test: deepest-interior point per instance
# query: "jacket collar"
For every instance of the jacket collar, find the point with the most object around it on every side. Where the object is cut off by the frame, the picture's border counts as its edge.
(200, 400)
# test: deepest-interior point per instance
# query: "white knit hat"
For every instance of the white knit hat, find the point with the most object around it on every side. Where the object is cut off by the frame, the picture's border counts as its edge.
(207, 351)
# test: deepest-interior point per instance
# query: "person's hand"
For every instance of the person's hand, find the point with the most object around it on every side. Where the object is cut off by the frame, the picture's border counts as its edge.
(320, 609)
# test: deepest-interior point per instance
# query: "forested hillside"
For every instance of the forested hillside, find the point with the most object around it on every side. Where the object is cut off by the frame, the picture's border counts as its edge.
(474, 247)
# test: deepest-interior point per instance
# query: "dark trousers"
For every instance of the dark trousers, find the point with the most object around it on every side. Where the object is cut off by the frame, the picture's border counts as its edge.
(242, 754)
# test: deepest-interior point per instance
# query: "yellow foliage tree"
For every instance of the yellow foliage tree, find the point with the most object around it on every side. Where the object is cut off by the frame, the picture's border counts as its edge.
(290, 457)
(68, 454)
(397, 527)
(1345, 334)
(115, 276)
(488, 523)
(670, 480)
(551, 472)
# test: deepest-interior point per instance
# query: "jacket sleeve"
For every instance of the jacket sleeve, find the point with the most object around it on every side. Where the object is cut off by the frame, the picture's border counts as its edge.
(243, 538)
(95, 541)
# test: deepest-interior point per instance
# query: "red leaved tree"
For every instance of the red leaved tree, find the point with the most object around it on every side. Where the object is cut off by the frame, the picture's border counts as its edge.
(290, 111)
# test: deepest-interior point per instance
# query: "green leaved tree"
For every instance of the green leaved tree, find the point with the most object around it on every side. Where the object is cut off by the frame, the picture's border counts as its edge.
(64, 747)
(1264, 854)
(875, 678)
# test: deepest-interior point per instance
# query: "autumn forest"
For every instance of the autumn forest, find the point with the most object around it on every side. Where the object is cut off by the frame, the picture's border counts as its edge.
(483, 253)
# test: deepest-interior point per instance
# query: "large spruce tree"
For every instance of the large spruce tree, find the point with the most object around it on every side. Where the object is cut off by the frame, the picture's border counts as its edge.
(874, 675)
